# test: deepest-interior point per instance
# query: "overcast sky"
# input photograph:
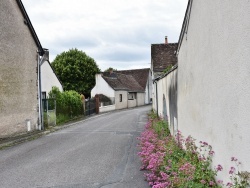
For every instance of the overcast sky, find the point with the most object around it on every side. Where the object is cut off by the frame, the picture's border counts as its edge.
(116, 33)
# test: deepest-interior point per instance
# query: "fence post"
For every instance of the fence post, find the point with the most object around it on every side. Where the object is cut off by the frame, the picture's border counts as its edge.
(97, 104)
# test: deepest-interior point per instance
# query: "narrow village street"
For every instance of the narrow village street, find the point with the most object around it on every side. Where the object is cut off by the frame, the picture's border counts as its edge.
(99, 152)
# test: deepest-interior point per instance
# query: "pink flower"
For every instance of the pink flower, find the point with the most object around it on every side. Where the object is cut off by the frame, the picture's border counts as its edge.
(234, 159)
(229, 184)
(203, 181)
(219, 168)
(232, 169)
(220, 181)
(211, 183)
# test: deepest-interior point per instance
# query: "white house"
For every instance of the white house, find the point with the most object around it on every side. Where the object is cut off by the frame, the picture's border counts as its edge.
(128, 88)
(48, 77)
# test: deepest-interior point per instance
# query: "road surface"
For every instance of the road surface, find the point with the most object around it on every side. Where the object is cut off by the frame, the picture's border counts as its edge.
(99, 152)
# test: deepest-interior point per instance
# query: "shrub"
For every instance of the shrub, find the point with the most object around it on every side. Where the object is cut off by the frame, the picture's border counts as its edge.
(68, 104)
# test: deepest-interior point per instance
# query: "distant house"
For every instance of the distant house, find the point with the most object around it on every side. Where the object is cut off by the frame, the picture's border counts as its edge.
(163, 56)
(129, 88)
(48, 77)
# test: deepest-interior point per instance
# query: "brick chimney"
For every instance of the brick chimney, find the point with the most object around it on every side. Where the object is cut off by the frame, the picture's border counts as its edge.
(166, 39)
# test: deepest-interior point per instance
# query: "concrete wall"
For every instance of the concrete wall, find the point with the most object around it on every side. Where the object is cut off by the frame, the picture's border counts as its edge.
(132, 103)
(213, 80)
(106, 108)
(124, 103)
(140, 99)
(102, 87)
(18, 77)
(48, 78)
(167, 99)
(148, 90)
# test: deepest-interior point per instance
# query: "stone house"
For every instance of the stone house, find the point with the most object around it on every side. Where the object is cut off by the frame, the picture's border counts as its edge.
(21, 56)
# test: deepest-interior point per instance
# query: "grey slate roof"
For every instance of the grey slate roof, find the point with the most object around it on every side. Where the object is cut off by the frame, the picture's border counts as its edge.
(163, 55)
(140, 75)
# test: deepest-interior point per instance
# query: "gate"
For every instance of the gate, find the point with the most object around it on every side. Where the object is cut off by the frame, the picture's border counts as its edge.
(90, 106)
(49, 112)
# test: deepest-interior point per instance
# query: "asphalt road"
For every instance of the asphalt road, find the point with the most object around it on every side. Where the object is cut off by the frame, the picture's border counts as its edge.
(100, 152)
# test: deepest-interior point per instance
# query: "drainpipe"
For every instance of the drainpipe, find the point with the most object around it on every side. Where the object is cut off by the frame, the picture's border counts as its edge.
(40, 59)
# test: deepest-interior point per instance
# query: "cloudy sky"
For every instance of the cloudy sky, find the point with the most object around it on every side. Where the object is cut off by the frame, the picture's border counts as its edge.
(116, 33)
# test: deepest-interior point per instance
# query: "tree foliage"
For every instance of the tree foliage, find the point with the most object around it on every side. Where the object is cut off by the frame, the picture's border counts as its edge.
(110, 69)
(76, 70)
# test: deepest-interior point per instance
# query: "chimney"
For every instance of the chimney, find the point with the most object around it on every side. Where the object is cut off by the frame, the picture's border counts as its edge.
(166, 39)
(46, 54)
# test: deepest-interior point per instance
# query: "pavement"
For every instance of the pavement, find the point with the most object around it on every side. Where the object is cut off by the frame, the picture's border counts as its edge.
(31, 135)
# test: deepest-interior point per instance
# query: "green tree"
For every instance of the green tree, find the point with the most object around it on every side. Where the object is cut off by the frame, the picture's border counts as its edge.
(76, 70)
(110, 69)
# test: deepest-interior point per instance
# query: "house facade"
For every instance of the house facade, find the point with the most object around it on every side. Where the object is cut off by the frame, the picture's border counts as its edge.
(49, 78)
(129, 88)
(19, 107)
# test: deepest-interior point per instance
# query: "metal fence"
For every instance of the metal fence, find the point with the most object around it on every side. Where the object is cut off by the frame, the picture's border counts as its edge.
(90, 106)
(49, 112)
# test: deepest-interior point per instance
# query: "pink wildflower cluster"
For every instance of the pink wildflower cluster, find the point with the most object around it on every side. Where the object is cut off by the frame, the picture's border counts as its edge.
(162, 172)
(152, 155)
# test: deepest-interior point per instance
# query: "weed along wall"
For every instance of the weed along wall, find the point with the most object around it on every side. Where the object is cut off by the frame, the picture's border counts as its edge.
(213, 80)
(167, 98)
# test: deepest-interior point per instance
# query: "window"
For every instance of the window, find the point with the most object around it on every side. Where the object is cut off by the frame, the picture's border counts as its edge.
(43, 95)
(120, 97)
(131, 96)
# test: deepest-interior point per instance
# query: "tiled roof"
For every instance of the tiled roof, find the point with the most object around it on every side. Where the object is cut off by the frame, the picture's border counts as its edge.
(140, 75)
(163, 55)
(129, 80)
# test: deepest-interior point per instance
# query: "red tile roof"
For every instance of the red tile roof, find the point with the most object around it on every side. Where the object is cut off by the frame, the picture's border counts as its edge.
(163, 55)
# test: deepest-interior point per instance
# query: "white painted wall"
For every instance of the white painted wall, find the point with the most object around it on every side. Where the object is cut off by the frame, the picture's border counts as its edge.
(164, 87)
(102, 87)
(48, 78)
(213, 80)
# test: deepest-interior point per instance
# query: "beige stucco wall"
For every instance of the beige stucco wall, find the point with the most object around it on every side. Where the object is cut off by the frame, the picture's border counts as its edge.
(140, 99)
(18, 77)
(213, 80)
(124, 103)
(132, 103)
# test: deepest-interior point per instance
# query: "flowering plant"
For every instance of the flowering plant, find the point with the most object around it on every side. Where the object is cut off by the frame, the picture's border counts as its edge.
(177, 161)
